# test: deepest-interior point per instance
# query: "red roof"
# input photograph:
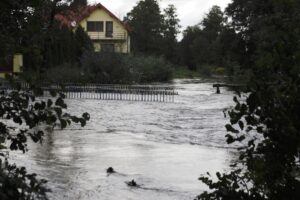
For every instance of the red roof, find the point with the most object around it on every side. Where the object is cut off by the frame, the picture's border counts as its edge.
(70, 16)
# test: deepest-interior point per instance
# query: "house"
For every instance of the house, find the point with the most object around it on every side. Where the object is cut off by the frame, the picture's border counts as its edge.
(107, 32)
(11, 64)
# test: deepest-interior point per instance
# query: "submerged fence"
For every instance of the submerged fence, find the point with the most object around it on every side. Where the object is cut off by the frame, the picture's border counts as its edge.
(148, 93)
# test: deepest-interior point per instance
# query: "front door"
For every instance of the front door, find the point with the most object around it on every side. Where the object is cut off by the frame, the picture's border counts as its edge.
(109, 29)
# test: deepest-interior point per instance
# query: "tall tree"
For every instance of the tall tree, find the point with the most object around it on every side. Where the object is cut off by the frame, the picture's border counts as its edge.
(213, 23)
(171, 30)
(78, 3)
(147, 24)
(201, 44)
(186, 52)
(18, 20)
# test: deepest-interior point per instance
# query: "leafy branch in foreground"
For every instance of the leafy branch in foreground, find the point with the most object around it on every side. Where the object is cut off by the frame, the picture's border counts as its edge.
(268, 165)
(24, 116)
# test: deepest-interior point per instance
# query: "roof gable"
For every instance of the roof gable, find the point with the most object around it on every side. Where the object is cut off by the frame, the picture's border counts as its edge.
(71, 18)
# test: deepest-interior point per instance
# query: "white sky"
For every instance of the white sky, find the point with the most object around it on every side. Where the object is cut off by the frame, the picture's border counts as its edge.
(190, 12)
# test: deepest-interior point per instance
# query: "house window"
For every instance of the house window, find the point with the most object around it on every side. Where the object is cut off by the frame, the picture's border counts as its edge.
(108, 47)
(109, 29)
(95, 26)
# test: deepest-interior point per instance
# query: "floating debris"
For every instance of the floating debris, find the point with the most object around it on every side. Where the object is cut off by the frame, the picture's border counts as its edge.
(110, 170)
(132, 183)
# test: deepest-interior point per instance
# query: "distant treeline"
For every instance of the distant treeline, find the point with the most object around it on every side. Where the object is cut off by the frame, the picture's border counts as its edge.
(212, 46)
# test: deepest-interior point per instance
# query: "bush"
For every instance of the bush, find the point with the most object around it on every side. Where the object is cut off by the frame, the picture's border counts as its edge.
(185, 72)
(66, 72)
(239, 75)
(205, 70)
(149, 68)
(219, 71)
(121, 68)
(105, 68)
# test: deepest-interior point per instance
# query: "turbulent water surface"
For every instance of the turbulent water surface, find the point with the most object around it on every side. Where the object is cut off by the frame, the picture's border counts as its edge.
(164, 147)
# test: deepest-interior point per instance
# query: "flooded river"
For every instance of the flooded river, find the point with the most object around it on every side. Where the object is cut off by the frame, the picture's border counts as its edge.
(164, 147)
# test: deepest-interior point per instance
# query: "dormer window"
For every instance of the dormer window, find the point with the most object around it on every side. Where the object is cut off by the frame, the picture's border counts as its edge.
(95, 26)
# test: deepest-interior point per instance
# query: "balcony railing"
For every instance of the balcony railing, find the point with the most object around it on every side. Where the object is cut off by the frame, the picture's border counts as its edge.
(107, 36)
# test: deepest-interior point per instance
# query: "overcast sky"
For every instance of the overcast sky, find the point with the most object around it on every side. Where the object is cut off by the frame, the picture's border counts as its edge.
(190, 12)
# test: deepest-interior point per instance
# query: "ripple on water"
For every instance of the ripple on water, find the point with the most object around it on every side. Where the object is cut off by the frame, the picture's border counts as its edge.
(163, 146)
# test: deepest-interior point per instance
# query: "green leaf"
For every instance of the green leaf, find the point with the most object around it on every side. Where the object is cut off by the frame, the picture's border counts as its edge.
(75, 119)
(86, 116)
(241, 138)
(259, 129)
(49, 103)
(63, 123)
(230, 139)
(241, 125)
(229, 128)
(58, 111)
(17, 120)
(82, 122)
(60, 102)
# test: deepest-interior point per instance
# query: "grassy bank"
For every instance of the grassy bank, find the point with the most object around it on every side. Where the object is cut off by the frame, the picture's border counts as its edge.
(183, 72)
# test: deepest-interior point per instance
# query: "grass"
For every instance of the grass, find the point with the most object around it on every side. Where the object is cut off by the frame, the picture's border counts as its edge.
(183, 72)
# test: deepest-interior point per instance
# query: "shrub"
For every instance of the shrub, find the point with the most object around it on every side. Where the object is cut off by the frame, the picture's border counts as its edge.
(205, 69)
(65, 73)
(150, 69)
(219, 71)
(105, 67)
(120, 68)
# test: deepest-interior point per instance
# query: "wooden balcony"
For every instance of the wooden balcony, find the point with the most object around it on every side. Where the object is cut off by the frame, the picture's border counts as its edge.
(117, 36)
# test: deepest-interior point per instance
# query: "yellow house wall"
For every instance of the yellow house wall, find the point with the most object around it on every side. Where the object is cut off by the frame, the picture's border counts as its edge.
(118, 29)
(17, 64)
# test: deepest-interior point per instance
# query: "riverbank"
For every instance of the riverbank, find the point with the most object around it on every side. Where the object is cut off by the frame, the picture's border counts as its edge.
(185, 73)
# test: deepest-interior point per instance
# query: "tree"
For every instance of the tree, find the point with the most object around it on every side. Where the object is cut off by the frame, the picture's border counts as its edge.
(171, 30)
(83, 42)
(213, 23)
(18, 20)
(65, 46)
(78, 3)
(201, 44)
(186, 52)
(147, 25)
(268, 120)
(29, 28)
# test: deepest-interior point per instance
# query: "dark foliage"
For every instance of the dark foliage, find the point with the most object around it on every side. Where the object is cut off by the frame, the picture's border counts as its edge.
(23, 108)
(268, 120)
(28, 27)
(147, 23)
(154, 32)
(210, 43)
(121, 68)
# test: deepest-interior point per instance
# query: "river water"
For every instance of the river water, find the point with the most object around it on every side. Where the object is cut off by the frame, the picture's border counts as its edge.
(164, 147)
